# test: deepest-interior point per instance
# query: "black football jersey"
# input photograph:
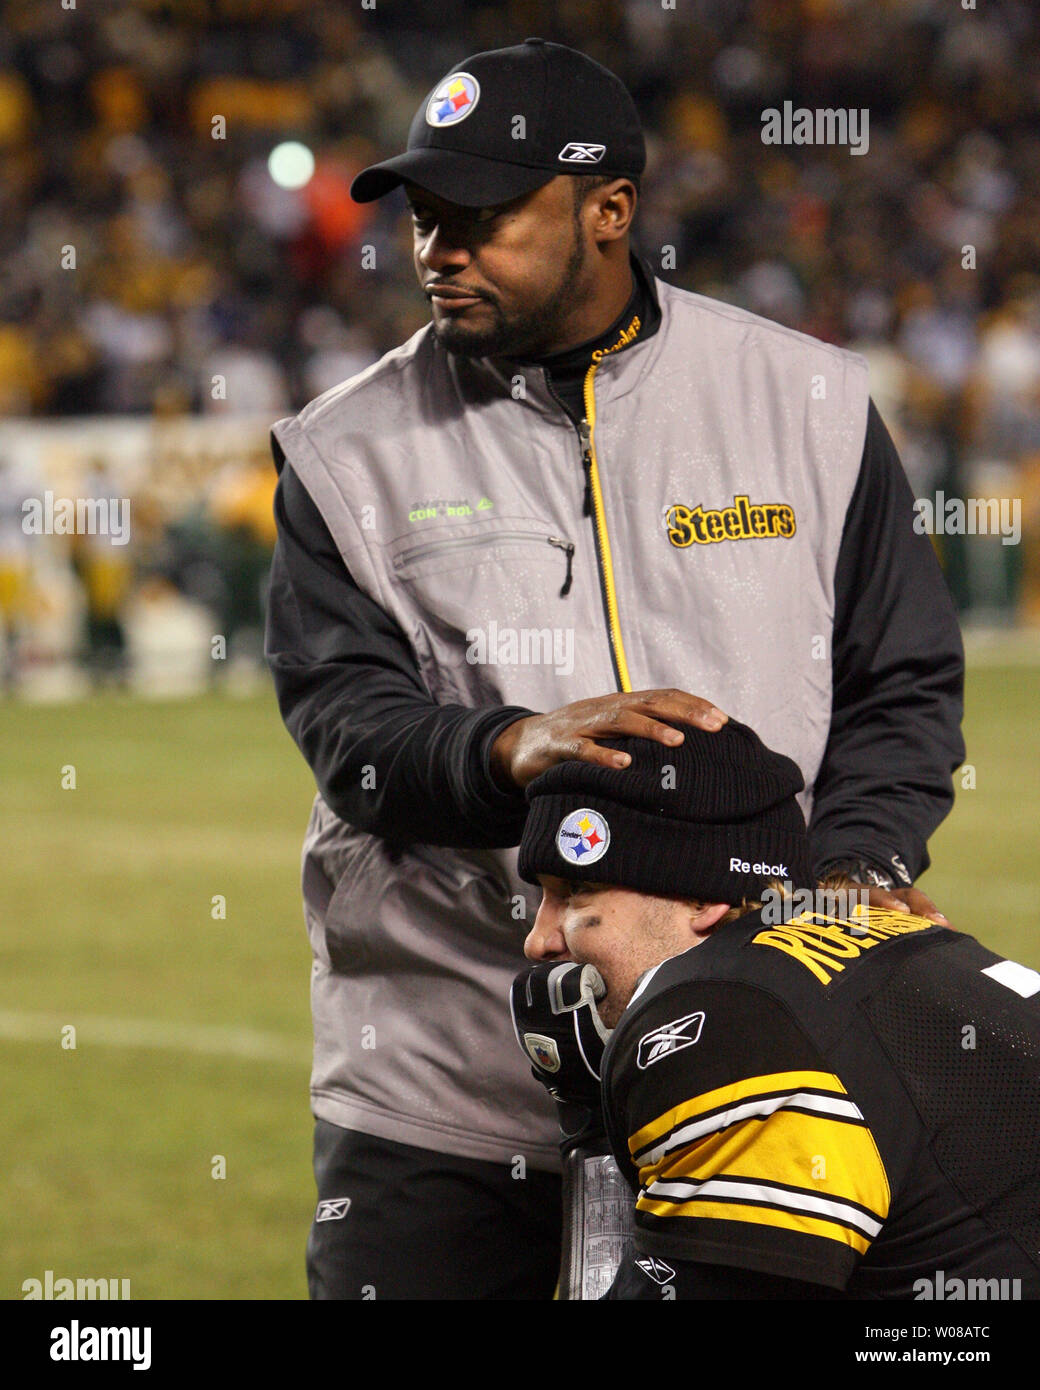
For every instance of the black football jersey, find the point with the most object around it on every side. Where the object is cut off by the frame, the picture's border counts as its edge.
(852, 1106)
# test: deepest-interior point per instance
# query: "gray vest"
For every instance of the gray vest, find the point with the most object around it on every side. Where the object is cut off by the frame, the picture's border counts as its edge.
(727, 449)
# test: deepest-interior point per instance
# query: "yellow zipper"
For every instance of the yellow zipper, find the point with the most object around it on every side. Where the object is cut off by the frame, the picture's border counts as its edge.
(603, 540)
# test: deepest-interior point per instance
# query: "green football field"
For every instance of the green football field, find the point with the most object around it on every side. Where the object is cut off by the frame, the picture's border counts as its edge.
(171, 1144)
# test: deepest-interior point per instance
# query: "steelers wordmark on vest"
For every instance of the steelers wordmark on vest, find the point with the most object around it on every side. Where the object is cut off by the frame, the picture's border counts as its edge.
(744, 521)
(628, 335)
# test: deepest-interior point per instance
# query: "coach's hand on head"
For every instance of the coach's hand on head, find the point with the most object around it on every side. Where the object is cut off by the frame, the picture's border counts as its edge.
(527, 748)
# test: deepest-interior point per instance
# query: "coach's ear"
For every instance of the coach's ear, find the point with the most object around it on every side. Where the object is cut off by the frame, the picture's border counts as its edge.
(704, 918)
(615, 208)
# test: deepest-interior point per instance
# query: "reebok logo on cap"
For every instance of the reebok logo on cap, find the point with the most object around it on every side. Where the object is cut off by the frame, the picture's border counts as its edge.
(578, 152)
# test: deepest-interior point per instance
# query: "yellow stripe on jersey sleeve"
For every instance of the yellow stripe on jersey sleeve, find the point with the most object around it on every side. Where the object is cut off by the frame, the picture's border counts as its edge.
(788, 1150)
(731, 1094)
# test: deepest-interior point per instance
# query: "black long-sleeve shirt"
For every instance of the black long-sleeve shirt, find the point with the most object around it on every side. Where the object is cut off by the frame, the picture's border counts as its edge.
(351, 694)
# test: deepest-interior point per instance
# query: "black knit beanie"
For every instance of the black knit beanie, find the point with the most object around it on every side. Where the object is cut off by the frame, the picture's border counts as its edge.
(714, 818)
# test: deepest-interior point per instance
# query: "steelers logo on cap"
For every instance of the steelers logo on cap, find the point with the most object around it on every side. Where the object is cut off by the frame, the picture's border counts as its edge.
(453, 100)
(583, 836)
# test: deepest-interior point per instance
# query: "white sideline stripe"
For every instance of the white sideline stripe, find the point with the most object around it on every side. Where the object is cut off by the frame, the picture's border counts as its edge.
(246, 1043)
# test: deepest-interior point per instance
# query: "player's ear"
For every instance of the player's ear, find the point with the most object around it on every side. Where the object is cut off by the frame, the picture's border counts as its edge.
(705, 917)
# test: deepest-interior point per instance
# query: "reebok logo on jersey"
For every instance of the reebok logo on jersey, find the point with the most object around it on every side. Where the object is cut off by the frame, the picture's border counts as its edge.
(656, 1270)
(332, 1209)
(744, 521)
(581, 152)
(666, 1041)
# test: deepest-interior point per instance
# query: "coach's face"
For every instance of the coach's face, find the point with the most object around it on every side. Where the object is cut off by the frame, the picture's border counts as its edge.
(518, 280)
(621, 932)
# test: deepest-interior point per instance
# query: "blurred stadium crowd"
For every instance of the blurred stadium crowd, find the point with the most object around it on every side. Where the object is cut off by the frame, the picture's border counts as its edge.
(191, 264)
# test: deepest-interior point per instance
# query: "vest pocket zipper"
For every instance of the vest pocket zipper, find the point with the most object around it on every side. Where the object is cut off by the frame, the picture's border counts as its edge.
(568, 548)
(418, 552)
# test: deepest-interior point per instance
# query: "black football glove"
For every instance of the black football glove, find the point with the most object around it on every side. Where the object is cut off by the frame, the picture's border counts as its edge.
(560, 1031)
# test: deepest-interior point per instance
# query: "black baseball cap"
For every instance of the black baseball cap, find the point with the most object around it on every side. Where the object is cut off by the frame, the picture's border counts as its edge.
(467, 146)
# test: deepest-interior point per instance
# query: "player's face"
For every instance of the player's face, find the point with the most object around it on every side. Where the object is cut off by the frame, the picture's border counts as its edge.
(620, 932)
(524, 268)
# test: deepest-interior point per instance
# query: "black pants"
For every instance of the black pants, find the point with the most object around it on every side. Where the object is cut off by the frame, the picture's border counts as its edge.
(421, 1224)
